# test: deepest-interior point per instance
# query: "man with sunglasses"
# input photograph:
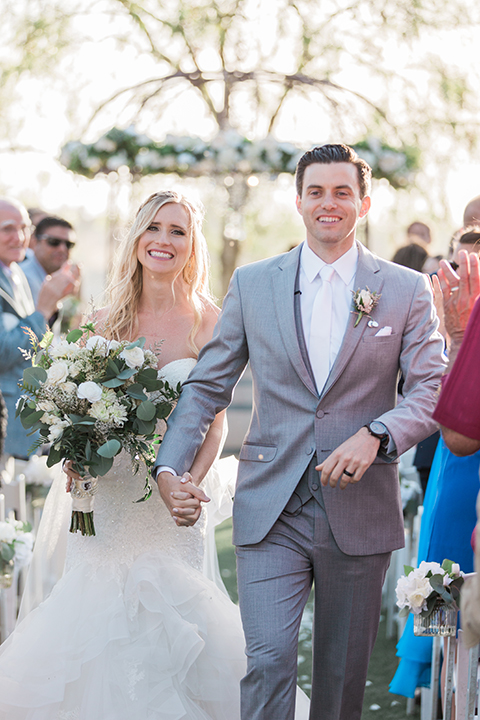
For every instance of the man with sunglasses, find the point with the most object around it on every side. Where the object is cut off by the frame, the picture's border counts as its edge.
(53, 239)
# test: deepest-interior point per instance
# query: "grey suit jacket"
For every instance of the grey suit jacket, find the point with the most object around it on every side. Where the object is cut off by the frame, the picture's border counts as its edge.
(290, 422)
(17, 311)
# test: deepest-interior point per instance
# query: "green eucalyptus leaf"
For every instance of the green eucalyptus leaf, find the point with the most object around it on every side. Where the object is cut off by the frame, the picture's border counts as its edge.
(136, 391)
(143, 427)
(146, 410)
(54, 456)
(34, 376)
(126, 374)
(112, 366)
(100, 465)
(29, 420)
(20, 406)
(109, 449)
(7, 552)
(136, 343)
(113, 383)
(74, 335)
(447, 565)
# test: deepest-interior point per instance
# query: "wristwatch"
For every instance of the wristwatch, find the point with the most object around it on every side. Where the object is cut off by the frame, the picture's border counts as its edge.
(380, 431)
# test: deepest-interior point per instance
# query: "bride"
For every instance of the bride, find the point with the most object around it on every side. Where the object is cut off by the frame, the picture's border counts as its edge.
(134, 630)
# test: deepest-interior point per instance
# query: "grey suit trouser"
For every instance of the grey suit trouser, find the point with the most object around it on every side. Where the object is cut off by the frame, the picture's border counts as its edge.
(274, 581)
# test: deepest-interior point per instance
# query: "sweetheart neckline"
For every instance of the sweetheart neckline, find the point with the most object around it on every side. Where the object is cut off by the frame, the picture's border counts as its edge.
(172, 362)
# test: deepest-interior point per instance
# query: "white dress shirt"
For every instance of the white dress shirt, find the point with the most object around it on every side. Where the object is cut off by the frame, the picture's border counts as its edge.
(342, 287)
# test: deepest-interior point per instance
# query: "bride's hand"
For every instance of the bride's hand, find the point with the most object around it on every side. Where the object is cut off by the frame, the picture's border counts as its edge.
(182, 498)
(70, 473)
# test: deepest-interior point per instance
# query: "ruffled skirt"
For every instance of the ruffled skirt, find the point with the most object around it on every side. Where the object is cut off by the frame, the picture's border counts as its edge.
(161, 642)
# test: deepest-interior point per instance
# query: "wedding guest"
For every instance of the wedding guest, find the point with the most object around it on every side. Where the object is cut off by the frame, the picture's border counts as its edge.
(18, 310)
(419, 233)
(412, 256)
(52, 241)
(453, 483)
(468, 240)
(458, 406)
(471, 215)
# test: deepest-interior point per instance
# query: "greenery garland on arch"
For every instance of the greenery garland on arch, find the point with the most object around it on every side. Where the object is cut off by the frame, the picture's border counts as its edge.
(230, 158)
(228, 153)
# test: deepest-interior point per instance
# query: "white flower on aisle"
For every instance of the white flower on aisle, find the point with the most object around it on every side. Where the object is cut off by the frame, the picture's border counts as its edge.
(420, 588)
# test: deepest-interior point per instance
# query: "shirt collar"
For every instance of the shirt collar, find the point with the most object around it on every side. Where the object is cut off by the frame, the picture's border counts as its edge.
(345, 266)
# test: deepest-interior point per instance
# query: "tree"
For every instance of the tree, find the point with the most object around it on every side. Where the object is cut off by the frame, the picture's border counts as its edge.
(255, 67)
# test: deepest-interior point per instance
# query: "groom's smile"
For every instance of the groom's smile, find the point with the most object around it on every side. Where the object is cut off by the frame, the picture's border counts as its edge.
(330, 205)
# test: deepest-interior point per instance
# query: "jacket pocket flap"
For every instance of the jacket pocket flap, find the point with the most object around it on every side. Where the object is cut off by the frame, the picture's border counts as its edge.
(260, 453)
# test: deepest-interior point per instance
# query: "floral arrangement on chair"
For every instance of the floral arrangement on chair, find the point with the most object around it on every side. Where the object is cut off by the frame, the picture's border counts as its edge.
(420, 589)
(16, 546)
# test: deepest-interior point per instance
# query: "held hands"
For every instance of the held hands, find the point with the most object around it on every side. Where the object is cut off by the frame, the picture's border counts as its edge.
(182, 498)
(354, 456)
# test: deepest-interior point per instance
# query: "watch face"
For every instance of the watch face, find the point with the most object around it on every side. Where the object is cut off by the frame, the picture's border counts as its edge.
(378, 428)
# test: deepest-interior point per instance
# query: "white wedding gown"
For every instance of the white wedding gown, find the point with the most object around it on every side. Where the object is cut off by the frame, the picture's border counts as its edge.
(133, 630)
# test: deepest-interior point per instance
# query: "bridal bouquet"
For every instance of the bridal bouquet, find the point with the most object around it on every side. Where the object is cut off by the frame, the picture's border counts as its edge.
(90, 398)
(420, 589)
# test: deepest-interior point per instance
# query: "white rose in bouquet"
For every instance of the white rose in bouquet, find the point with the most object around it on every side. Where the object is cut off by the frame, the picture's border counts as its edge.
(97, 342)
(69, 388)
(134, 357)
(57, 373)
(89, 391)
(56, 430)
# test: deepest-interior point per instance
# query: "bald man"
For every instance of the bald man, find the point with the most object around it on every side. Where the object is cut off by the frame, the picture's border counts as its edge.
(18, 310)
(471, 215)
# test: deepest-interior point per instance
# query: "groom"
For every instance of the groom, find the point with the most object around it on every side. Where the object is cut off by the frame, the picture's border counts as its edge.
(317, 495)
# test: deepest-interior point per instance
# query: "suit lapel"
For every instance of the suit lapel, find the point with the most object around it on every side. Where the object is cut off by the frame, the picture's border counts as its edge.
(367, 276)
(283, 281)
(16, 294)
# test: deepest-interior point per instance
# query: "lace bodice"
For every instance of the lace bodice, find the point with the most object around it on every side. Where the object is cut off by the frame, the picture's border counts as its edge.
(125, 528)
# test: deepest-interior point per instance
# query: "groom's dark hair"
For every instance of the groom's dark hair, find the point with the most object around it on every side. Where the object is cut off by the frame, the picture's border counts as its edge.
(327, 154)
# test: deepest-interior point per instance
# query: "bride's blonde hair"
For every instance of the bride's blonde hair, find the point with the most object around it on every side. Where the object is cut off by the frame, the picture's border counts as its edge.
(126, 282)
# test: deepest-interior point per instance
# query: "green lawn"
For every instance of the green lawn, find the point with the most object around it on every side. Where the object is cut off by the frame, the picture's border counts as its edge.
(379, 703)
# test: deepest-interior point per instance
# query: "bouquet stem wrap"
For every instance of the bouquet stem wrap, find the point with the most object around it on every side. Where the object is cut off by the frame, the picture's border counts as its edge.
(82, 493)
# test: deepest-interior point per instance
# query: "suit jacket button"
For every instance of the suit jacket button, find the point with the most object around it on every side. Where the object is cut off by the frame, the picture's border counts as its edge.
(314, 486)
(260, 457)
(309, 450)
(320, 414)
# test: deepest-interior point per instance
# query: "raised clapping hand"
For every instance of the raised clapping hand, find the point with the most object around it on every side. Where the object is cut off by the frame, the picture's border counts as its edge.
(354, 456)
(182, 497)
(459, 292)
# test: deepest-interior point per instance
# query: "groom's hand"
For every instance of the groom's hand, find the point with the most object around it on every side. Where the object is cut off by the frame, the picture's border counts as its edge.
(183, 499)
(355, 456)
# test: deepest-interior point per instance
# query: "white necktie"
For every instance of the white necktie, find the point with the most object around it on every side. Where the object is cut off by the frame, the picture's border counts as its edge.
(320, 328)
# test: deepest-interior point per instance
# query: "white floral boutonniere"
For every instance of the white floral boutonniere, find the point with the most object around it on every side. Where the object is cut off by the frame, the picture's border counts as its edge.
(364, 301)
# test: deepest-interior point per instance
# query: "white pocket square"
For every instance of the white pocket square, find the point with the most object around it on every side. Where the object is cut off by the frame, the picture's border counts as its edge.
(383, 332)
